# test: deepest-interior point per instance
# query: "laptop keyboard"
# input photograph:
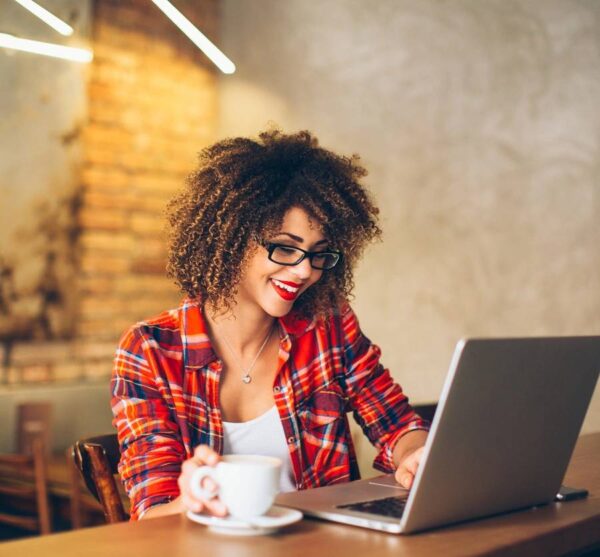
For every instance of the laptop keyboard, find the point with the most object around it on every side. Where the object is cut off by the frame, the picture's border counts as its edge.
(390, 506)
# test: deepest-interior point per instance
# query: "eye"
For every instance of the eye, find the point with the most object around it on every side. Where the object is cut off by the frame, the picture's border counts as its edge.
(288, 250)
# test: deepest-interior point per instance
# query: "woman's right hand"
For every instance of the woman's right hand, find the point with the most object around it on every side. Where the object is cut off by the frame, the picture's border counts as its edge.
(203, 456)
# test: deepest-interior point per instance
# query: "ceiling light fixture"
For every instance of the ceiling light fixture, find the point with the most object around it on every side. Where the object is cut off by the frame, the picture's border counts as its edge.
(47, 49)
(199, 39)
(47, 17)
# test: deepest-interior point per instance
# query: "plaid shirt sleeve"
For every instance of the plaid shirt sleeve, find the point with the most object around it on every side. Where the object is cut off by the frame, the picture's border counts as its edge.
(151, 448)
(380, 407)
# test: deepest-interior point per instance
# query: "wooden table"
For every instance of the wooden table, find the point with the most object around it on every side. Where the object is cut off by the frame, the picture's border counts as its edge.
(554, 529)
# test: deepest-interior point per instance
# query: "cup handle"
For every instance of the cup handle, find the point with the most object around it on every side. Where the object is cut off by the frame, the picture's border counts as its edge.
(197, 476)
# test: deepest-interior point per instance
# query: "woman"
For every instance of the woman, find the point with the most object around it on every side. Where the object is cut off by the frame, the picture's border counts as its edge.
(264, 355)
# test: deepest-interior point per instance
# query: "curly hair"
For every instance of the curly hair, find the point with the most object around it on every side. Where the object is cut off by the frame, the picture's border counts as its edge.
(241, 192)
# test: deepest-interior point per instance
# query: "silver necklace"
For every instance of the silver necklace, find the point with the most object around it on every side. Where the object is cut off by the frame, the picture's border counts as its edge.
(246, 372)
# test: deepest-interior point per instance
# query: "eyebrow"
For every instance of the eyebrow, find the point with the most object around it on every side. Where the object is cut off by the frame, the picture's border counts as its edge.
(300, 240)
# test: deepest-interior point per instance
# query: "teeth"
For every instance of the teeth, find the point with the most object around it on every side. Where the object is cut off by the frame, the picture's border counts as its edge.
(285, 286)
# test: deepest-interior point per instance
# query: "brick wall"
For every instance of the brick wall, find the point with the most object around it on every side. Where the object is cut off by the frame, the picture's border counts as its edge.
(152, 107)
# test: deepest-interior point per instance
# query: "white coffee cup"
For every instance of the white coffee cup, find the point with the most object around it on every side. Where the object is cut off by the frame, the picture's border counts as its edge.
(247, 484)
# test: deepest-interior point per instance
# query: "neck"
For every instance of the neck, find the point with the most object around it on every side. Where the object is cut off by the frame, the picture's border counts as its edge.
(245, 327)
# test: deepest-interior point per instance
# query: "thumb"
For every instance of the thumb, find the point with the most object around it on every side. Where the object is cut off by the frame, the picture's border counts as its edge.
(404, 476)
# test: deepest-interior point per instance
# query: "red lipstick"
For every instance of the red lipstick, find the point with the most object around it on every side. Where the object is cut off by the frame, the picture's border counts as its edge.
(286, 294)
(292, 284)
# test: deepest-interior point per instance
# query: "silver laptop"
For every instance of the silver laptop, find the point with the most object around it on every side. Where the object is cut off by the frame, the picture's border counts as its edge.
(506, 424)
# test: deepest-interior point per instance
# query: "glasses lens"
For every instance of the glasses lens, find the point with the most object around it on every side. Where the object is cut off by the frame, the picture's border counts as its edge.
(325, 260)
(286, 255)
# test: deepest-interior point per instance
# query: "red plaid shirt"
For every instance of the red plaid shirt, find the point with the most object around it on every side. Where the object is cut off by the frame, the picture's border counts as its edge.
(165, 400)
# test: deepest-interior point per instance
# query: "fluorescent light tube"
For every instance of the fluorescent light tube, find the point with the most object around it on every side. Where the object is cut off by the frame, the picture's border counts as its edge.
(47, 49)
(47, 17)
(200, 40)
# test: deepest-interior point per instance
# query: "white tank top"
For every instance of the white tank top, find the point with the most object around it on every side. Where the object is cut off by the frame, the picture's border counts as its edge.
(263, 435)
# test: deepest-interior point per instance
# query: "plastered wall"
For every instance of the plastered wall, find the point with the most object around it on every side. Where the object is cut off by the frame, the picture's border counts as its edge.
(479, 122)
(43, 108)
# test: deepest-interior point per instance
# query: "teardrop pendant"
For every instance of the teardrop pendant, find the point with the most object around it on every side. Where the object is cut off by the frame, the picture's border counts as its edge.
(246, 379)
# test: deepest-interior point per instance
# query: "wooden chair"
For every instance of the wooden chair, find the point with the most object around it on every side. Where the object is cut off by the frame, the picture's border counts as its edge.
(426, 411)
(97, 459)
(23, 475)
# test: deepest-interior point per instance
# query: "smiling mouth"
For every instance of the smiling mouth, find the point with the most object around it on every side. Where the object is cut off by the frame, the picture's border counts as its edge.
(285, 290)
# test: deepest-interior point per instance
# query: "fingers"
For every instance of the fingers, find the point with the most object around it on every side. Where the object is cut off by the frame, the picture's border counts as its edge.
(412, 463)
(405, 474)
(216, 507)
(203, 456)
(212, 506)
(404, 477)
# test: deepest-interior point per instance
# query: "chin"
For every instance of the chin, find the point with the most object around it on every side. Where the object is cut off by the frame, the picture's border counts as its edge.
(275, 307)
(278, 310)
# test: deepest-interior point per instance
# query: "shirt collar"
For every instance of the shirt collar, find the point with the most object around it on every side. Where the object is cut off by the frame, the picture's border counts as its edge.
(197, 348)
(296, 325)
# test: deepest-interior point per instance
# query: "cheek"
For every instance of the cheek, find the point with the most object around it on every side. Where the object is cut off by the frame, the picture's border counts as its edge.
(260, 267)
(316, 277)
(268, 269)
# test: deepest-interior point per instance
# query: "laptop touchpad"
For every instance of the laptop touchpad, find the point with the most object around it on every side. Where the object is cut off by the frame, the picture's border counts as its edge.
(387, 481)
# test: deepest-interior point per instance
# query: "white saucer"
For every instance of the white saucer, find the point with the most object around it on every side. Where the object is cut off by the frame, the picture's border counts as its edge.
(276, 518)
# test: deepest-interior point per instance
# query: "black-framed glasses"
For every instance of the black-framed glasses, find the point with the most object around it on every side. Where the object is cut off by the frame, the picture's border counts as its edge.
(289, 255)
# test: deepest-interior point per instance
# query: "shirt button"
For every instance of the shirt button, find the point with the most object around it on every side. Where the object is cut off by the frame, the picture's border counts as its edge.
(276, 389)
(291, 440)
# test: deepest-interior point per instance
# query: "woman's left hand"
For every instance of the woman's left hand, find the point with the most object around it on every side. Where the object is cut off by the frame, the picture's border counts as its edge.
(405, 473)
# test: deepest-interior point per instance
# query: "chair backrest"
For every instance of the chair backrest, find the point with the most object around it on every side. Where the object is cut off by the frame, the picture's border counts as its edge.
(426, 411)
(34, 421)
(23, 475)
(97, 459)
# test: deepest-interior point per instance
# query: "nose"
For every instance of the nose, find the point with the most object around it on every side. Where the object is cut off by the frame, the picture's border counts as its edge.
(303, 270)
